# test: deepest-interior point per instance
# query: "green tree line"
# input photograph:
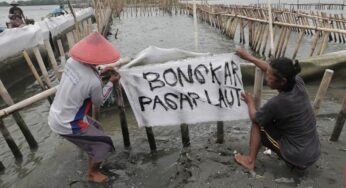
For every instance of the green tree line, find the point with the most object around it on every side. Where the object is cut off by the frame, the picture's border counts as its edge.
(33, 2)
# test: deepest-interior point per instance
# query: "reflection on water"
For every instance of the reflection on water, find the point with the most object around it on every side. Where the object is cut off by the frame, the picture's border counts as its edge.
(135, 34)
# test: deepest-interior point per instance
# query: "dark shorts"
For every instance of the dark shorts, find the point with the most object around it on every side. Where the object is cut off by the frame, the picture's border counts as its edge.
(270, 138)
(93, 141)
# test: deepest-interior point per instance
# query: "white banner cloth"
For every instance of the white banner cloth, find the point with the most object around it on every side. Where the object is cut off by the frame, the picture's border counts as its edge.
(193, 90)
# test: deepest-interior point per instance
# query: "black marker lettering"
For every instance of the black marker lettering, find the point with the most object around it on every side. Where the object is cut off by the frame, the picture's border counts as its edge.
(173, 78)
(143, 100)
(170, 103)
(157, 100)
(187, 78)
(152, 78)
(183, 98)
(198, 74)
(213, 73)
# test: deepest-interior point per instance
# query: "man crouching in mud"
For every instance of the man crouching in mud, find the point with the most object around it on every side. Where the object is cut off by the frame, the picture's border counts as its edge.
(79, 88)
(286, 123)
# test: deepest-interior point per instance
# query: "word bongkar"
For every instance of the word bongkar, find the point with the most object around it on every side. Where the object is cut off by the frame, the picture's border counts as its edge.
(218, 84)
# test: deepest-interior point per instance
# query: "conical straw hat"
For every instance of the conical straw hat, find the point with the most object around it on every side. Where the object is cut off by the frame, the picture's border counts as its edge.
(94, 49)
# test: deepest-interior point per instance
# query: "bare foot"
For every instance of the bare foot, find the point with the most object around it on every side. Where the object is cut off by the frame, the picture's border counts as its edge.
(245, 161)
(97, 177)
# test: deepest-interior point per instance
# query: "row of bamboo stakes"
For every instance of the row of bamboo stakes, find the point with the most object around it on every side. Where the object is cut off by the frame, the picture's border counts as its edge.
(324, 28)
(49, 90)
(239, 19)
(305, 6)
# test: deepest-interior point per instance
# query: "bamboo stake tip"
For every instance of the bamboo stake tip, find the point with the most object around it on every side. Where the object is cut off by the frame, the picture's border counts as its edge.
(329, 71)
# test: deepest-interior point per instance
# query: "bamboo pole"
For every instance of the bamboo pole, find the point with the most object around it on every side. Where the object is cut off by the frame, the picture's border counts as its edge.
(242, 38)
(87, 27)
(258, 85)
(340, 122)
(33, 69)
(52, 58)
(250, 32)
(286, 42)
(70, 40)
(256, 33)
(90, 24)
(17, 117)
(22, 104)
(62, 63)
(225, 31)
(75, 20)
(324, 43)
(75, 35)
(270, 22)
(10, 142)
(253, 34)
(343, 26)
(314, 43)
(185, 138)
(301, 35)
(42, 67)
(220, 133)
(82, 30)
(95, 112)
(259, 37)
(61, 48)
(263, 37)
(322, 90)
(195, 27)
(2, 167)
(234, 28)
(278, 44)
(122, 114)
(337, 25)
(151, 138)
(332, 23)
(265, 42)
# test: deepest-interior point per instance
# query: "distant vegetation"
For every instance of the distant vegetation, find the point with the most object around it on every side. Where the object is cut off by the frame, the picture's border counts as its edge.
(33, 2)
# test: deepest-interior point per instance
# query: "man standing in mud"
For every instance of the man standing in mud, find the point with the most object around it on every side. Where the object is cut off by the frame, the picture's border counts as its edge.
(80, 88)
(286, 123)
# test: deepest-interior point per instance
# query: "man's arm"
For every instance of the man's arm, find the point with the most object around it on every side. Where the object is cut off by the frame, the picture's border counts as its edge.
(247, 98)
(258, 62)
(100, 94)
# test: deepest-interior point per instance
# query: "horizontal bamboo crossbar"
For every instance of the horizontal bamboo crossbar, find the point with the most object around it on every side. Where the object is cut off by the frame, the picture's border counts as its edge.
(24, 103)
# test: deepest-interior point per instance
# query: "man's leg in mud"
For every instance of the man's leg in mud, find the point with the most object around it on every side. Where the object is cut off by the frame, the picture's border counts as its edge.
(248, 161)
(94, 174)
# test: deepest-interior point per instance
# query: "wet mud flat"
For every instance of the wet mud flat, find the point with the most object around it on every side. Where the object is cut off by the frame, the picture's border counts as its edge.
(203, 164)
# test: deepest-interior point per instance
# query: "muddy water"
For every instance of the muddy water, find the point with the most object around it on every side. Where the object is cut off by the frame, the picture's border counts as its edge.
(145, 170)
